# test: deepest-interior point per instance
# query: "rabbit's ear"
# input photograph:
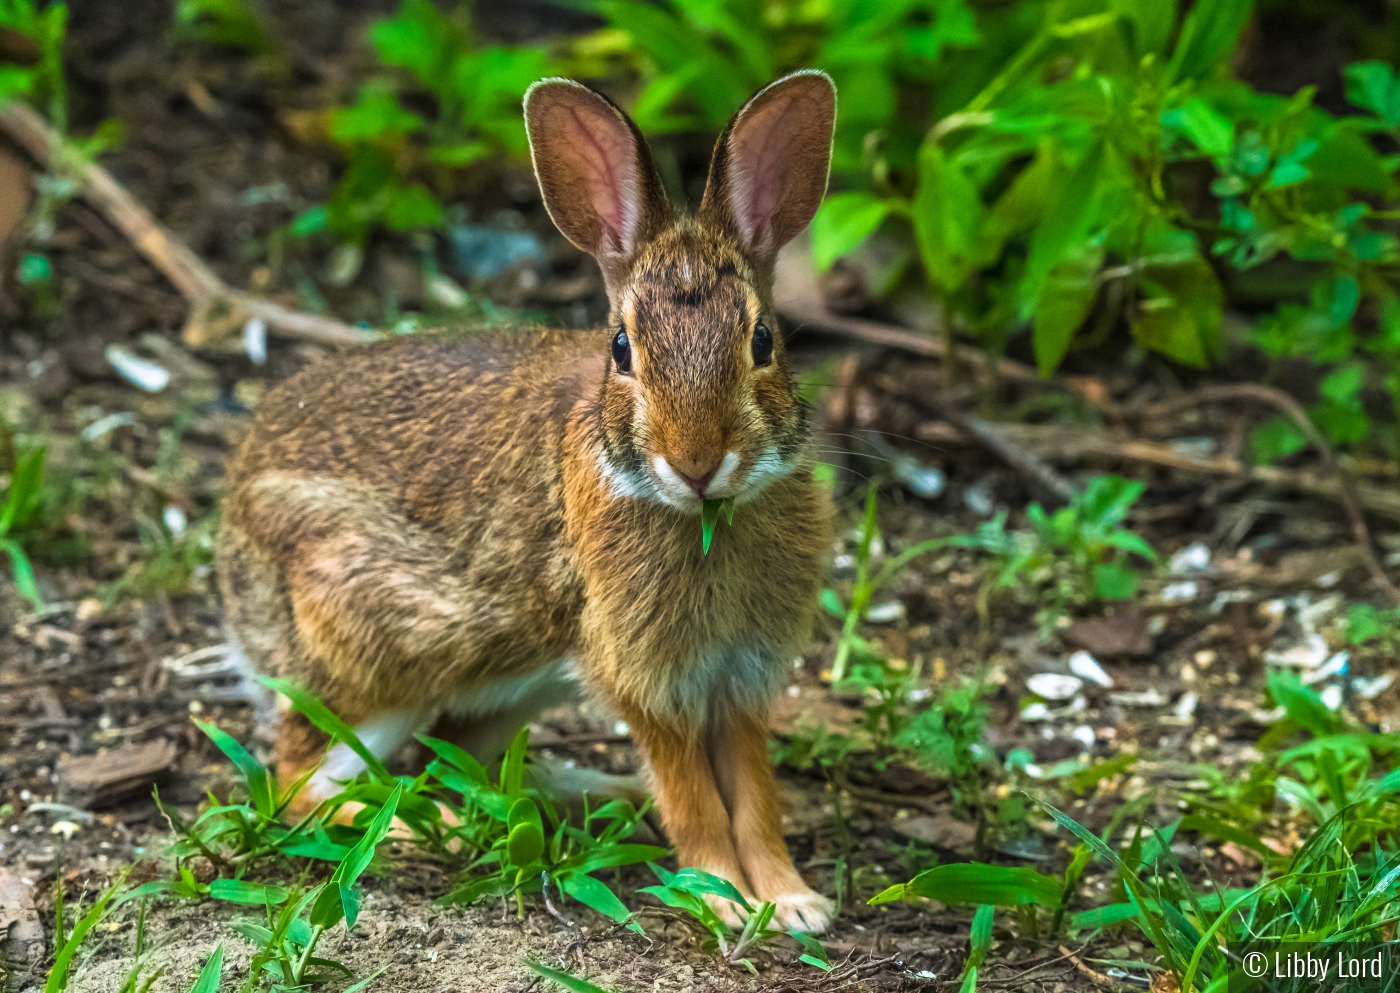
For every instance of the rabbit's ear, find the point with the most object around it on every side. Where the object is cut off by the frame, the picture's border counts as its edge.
(769, 170)
(595, 171)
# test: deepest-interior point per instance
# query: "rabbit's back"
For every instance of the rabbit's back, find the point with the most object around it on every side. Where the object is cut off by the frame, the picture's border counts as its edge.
(392, 523)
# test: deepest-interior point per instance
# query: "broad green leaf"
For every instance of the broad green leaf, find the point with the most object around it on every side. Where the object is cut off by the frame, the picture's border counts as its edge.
(1374, 86)
(525, 844)
(1180, 313)
(23, 572)
(593, 893)
(1064, 231)
(1064, 304)
(375, 116)
(843, 221)
(1208, 34)
(1302, 703)
(513, 765)
(947, 217)
(459, 757)
(1106, 916)
(1212, 132)
(612, 856)
(975, 882)
(412, 207)
(695, 880)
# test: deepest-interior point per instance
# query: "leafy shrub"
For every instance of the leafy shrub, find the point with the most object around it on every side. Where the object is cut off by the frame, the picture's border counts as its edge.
(46, 26)
(399, 160)
(1078, 554)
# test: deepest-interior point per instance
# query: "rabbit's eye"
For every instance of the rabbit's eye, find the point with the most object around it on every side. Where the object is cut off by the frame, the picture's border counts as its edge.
(762, 345)
(622, 351)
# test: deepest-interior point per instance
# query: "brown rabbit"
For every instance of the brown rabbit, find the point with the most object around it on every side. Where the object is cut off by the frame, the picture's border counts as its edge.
(465, 528)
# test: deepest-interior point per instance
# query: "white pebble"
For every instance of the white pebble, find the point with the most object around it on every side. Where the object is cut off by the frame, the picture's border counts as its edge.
(1053, 686)
(1086, 667)
(1332, 697)
(885, 613)
(1186, 706)
(1180, 591)
(1083, 734)
(1195, 557)
(137, 371)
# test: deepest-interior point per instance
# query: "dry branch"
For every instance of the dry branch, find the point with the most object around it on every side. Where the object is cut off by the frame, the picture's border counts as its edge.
(215, 306)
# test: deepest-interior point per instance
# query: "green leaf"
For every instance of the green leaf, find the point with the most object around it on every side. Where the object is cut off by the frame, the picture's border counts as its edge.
(375, 116)
(693, 880)
(1302, 703)
(239, 891)
(513, 765)
(457, 757)
(975, 882)
(1115, 582)
(23, 572)
(709, 517)
(1209, 33)
(612, 856)
(320, 715)
(816, 952)
(831, 603)
(1073, 209)
(1180, 313)
(209, 976)
(842, 222)
(947, 217)
(1276, 438)
(565, 979)
(336, 898)
(412, 207)
(1106, 916)
(525, 844)
(1212, 132)
(594, 894)
(1374, 86)
(255, 774)
(1064, 304)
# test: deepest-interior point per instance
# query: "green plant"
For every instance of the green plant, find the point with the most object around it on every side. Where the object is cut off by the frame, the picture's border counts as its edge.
(1364, 623)
(709, 518)
(867, 583)
(1080, 552)
(46, 25)
(693, 893)
(565, 979)
(170, 559)
(701, 59)
(1052, 191)
(20, 510)
(224, 22)
(397, 157)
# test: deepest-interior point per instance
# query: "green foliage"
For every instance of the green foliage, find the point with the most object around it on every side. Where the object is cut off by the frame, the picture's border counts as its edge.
(170, 558)
(21, 512)
(565, 979)
(1077, 555)
(1364, 624)
(694, 893)
(1050, 189)
(224, 22)
(974, 882)
(701, 59)
(399, 161)
(46, 25)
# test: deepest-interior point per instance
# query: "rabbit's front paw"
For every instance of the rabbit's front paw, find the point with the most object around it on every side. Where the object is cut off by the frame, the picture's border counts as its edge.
(806, 911)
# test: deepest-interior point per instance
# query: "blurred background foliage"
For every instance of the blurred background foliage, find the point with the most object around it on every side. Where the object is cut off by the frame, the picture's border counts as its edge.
(1210, 181)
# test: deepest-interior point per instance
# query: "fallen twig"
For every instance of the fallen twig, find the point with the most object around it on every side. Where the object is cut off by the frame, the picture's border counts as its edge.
(216, 307)
(1346, 483)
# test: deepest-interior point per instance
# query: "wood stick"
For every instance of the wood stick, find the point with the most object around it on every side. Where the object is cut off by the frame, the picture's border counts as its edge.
(185, 270)
(1346, 482)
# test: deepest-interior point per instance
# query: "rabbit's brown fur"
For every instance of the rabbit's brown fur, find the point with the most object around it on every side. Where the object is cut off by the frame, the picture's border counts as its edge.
(434, 523)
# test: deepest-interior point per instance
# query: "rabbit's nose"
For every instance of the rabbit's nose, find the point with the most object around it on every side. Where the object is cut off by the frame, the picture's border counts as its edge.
(698, 483)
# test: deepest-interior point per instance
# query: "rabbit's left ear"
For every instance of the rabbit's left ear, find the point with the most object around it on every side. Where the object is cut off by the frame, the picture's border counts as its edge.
(769, 170)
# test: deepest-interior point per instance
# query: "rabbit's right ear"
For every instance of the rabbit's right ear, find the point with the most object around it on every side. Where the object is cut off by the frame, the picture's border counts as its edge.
(595, 171)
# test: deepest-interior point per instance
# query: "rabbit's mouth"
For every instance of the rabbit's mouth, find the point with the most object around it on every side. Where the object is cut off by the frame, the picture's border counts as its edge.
(659, 482)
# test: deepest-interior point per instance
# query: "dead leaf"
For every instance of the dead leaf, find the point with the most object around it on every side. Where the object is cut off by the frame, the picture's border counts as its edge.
(94, 781)
(215, 324)
(1241, 857)
(1121, 634)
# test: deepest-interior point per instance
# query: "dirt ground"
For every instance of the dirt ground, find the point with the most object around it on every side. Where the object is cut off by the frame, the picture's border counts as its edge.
(1185, 662)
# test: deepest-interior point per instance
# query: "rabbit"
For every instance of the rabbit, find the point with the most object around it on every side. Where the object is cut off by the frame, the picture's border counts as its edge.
(469, 529)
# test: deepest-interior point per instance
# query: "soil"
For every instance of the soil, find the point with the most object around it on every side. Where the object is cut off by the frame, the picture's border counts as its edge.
(215, 147)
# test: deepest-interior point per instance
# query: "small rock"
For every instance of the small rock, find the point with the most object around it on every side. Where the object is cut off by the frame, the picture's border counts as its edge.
(140, 372)
(1369, 689)
(1035, 712)
(1310, 654)
(1083, 734)
(1186, 706)
(1147, 698)
(1180, 591)
(1087, 668)
(1195, 557)
(885, 613)
(1053, 686)
(1332, 697)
